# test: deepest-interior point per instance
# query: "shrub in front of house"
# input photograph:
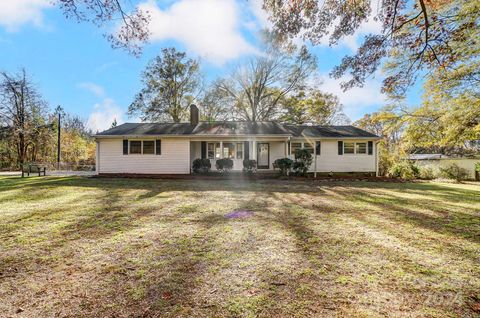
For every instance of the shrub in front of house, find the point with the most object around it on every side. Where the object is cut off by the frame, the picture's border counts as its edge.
(428, 172)
(249, 166)
(201, 165)
(405, 170)
(303, 160)
(284, 165)
(454, 172)
(224, 165)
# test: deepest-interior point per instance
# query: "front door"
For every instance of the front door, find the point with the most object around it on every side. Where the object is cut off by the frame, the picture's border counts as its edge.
(263, 155)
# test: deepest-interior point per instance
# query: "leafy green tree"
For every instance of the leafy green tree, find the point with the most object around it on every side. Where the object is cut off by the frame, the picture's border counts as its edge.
(313, 106)
(415, 36)
(390, 126)
(170, 84)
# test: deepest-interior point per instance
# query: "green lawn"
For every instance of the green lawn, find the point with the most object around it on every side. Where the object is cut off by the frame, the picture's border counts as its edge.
(86, 247)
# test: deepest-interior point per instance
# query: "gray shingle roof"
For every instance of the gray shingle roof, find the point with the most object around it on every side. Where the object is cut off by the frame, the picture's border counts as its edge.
(236, 128)
(329, 131)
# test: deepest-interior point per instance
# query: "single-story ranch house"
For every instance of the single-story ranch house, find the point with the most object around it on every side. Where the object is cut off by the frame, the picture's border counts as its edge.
(170, 148)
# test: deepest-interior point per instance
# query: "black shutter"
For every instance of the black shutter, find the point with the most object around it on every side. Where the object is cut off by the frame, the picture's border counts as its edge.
(318, 147)
(125, 147)
(246, 150)
(158, 147)
(370, 147)
(204, 149)
(340, 147)
(288, 148)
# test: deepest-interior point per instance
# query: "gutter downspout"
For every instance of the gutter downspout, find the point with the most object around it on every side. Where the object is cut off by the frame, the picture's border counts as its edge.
(97, 157)
(315, 157)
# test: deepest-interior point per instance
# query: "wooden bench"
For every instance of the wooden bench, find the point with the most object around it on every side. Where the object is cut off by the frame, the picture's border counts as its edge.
(33, 168)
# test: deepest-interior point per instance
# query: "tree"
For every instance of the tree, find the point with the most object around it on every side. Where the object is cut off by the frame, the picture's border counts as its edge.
(390, 126)
(313, 106)
(415, 35)
(171, 83)
(22, 110)
(114, 123)
(133, 30)
(213, 104)
(256, 88)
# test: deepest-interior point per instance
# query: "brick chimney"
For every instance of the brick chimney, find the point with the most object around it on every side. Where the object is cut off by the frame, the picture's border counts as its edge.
(194, 115)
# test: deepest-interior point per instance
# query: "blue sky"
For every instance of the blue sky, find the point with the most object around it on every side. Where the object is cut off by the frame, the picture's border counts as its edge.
(75, 67)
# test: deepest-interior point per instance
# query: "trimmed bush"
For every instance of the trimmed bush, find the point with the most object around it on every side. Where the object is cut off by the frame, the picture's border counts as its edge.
(303, 160)
(201, 165)
(249, 165)
(454, 172)
(284, 164)
(224, 165)
(404, 170)
(428, 173)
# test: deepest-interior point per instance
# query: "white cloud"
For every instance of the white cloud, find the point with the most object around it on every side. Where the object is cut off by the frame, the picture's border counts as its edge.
(104, 114)
(93, 88)
(260, 15)
(209, 28)
(357, 100)
(105, 111)
(15, 13)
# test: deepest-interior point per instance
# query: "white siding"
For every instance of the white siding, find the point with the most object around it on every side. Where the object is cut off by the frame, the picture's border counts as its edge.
(468, 164)
(175, 158)
(330, 160)
(277, 151)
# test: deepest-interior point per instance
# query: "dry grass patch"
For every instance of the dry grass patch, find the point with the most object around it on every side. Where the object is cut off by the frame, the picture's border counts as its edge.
(89, 247)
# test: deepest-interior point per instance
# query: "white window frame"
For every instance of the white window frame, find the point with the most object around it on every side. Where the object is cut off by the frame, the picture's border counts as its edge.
(355, 148)
(303, 146)
(141, 147)
(236, 150)
(234, 142)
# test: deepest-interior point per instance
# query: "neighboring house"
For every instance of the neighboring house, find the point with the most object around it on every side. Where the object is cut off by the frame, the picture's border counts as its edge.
(170, 148)
(437, 161)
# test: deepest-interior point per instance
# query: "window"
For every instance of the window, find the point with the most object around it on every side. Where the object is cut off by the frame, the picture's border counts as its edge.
(218, 151)
(308, 147)
(146, 147)
(303, 145)
(135, 147)
(229, 150)
(214, 150)
(149, 147)
(355, 148)
(361, 147)
(349, 147)
(210, 151)
(240, 150)
(294, 146)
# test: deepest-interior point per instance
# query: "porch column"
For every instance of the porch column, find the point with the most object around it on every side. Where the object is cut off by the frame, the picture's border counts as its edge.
(221, 149)
(254, 150)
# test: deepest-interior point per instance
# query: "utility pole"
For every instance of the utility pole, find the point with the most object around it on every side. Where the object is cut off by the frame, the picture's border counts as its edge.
(58, 141)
